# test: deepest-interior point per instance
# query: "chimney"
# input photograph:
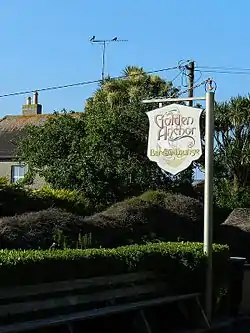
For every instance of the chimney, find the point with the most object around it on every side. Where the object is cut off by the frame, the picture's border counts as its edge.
(32, 109)
(35, 98)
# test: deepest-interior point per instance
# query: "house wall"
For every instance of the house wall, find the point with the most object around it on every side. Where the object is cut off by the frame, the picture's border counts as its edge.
(5, 171)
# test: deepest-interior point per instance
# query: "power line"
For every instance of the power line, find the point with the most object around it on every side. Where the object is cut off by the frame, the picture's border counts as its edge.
(193, 87)
(181, 92)
(124, 77)
(226, 72)
(224, 68)
(183, 67)
(176, 77)
(82, 83)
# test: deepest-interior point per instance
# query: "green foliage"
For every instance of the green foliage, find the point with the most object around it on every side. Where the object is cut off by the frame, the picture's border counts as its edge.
(70, 200)
(231, 199)
(156, 197)
(184, 264)
(232, 152)
(116, 136)
(155, 215)
(103, 152)
(39, 230)
(15, 199)
(84, 241)
(3, 182)
(63, 242)
(53, 150)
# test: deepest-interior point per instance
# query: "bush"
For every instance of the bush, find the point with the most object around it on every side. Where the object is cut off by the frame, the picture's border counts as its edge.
(228, 198)
(184, 264)
(177, 203)
(15, 200)
(36, 230)
(155, 215)
(3, 181)
(18, 200)
(73, 201)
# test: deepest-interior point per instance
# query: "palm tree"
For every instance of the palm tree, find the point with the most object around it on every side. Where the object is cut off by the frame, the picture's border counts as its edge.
(134, 85)
(232, 141)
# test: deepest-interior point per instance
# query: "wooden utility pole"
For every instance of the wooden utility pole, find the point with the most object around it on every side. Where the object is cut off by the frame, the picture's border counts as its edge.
(190, 68)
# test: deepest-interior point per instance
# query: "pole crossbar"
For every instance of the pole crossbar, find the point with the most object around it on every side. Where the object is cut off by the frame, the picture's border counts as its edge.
(164, 100)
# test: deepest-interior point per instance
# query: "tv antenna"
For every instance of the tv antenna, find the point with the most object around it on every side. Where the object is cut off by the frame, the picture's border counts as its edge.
(104, 42)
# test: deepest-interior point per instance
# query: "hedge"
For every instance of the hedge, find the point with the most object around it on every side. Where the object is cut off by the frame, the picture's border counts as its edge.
(15, 200)
(183, 263)
(155, 215)
(39, 230)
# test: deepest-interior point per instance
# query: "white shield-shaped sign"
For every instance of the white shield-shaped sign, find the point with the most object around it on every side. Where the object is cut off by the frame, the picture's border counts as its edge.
(174, 137)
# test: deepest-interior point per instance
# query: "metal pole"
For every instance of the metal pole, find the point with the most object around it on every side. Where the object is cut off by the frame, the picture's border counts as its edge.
(104, 43)
(208, 199)
(103, 59)
(208, 191)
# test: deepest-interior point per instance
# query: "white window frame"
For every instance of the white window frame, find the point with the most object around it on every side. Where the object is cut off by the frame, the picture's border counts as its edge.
(17, 177)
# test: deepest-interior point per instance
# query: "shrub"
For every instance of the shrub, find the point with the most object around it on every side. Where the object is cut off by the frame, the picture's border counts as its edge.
(227, 197)
(73, 201)
(18, 200)
(184, 264)
(177, 203)
(15, 200)
(155, 215)
(36, 230)
(155, 197)
(3, 181)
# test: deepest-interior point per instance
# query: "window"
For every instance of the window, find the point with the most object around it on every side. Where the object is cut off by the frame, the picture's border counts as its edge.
(17, 173)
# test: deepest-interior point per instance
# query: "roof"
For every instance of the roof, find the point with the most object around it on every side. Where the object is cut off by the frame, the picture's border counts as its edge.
(17, 123)
(239, 218)
(11, 131)
(8, 143)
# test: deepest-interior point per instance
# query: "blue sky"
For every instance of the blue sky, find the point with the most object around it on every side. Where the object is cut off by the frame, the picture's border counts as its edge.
(45, 43)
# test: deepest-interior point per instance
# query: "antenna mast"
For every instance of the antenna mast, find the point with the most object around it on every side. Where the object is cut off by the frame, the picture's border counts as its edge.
(104, 43)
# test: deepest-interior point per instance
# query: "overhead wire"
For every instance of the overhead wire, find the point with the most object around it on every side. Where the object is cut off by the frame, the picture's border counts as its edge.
(197, 85)
(226, 72)
(176, 77)
(182, 66)
(224, 68)
(25, 92)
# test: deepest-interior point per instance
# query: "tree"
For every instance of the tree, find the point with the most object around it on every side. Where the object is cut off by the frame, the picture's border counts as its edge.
(103, 152)
(116, 130)
(54, 150)
(232, 150)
